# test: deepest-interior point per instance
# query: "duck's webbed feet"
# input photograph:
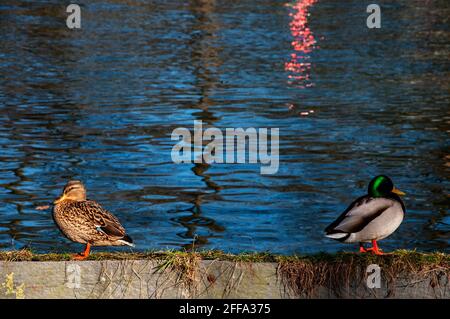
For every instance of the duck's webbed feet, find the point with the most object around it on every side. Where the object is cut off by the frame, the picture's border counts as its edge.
(374, 249)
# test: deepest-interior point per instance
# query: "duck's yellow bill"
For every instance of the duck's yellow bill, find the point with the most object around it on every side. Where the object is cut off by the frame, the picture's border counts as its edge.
(398, 192)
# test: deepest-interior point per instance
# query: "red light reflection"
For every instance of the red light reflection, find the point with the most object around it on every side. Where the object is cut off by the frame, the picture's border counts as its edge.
(299, 66)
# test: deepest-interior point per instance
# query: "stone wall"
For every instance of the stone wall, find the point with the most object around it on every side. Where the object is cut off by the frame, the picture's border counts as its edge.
(210, 279)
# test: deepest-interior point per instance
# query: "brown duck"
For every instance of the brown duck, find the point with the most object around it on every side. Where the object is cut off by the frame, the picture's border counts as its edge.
(86, 222)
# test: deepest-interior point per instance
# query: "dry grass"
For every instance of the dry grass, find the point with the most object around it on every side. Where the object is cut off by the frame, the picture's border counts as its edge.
(185, 265)
(341, 272)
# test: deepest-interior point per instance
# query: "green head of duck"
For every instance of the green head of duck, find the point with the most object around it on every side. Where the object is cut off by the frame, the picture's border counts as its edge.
(382, 186)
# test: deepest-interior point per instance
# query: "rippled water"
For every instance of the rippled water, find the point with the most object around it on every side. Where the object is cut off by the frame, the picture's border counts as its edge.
(99, 104)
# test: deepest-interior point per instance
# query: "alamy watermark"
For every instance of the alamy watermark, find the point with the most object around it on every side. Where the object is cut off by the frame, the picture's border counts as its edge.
(73, 276)
(73, 21)
(374, 276)
(234, 145)
(374, 19)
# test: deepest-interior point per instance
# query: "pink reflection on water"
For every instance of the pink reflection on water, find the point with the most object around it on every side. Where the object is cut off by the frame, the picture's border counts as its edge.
(299, 66)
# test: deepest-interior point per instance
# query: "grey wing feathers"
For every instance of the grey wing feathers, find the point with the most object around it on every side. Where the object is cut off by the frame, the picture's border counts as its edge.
(359, 214)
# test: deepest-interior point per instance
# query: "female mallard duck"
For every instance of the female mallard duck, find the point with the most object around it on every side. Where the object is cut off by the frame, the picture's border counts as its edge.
(86, 222)
(371, 217)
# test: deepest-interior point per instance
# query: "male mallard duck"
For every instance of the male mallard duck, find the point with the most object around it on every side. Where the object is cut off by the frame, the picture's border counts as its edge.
(371, 217)
(86, 222)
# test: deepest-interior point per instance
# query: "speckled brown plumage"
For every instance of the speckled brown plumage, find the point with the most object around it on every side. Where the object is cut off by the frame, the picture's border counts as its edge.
(85, 221)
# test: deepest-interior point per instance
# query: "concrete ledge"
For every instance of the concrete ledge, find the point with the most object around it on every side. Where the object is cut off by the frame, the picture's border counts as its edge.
(206, 279)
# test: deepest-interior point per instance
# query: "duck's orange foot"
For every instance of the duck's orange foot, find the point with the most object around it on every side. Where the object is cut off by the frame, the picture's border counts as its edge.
(84, 255)
(378, 251)
(375, 249)
(80, 256)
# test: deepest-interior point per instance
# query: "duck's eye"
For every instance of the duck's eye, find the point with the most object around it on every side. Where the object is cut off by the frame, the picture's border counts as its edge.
(67, 191)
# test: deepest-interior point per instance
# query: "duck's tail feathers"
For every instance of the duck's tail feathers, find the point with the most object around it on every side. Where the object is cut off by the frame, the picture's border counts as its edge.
(338, 236)
(127, 241)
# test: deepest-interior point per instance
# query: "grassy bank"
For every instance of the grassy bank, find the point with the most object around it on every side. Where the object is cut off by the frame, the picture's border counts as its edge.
(410, 257)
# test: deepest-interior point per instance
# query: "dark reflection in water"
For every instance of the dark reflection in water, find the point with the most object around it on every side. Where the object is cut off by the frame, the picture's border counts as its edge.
(100, 104)
(204, 59)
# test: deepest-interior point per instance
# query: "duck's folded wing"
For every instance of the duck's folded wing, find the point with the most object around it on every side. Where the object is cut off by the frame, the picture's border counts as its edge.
(360, 213)
(102, 220)
(112, 229)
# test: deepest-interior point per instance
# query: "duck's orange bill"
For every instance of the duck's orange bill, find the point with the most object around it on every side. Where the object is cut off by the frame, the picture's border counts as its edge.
(398, 192)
